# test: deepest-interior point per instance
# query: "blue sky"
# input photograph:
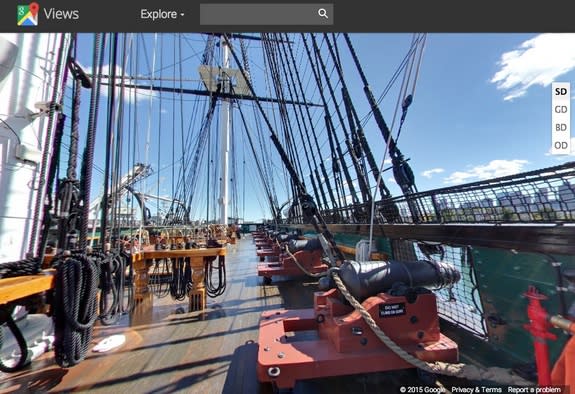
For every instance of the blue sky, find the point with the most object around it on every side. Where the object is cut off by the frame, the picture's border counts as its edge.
(482, 107)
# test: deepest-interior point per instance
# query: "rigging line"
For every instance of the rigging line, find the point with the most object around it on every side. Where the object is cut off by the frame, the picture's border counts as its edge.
(268, 155)
(329, 125)
(112, 57)
(120, 139)
(336, 167)
(192, 147)
(403, 89)
(306, 201)
(54, 130)
(135, 125)
(293, 93)
(384, 191)
(324, 171)
(262, 167)
(199, 151)
(363, 184)
(258, 165)
(286, 126)
(148, 136)
(233, 179)
(182, 115)
(159, 129)
(391, 82)
(88, 156)
(309, 117)
(265, 156)
(196, 152)
(174, 128)
(12, 130)
(268, 164)
(401, 170)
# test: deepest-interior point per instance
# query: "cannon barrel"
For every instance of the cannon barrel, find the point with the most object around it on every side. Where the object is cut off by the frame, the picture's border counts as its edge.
(295, 245)
(369, 278)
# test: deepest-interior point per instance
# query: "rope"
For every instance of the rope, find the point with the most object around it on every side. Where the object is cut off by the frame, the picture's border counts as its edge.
(159, 286)
(112, 282)
(75, 308)
(20, 268)
(211, 289)
(6, 317)
(471, 372)
(88, 156)
(181, 278)
(318, 275)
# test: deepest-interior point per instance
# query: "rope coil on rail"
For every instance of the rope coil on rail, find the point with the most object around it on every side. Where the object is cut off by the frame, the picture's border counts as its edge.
(75, 307)
(212, 289)
(23, 267)
(471, 372)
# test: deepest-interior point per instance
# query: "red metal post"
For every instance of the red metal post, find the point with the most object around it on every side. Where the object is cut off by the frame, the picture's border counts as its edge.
(539, 327)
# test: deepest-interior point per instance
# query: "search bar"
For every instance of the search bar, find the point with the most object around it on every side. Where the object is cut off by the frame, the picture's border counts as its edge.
(266, 14)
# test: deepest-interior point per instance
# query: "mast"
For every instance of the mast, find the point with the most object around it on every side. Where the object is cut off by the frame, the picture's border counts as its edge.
(224, 134)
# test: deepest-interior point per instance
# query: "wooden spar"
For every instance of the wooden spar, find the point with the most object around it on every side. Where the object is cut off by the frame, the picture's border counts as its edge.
(198, 92)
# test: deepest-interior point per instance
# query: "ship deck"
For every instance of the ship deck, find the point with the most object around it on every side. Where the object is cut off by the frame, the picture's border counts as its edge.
(170, 350)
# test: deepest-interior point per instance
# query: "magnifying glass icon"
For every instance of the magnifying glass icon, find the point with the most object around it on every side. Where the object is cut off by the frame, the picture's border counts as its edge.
(322, 13)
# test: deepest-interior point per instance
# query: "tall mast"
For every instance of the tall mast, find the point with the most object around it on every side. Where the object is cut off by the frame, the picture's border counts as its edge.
(224, 134)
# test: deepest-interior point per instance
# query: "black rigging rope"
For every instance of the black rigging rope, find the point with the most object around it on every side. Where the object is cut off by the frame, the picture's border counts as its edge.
(330, 127)
(362, 182)
(308, 206)
(74, 306)
(105, 203)
(257, 161)
(181, 278)
(289, 74)
(6, 318)
(88, 157)
(274, 61)
(315, 157)
(212, 289)
(30, 266)
(113, 283)
(391, 212)
(402, 171)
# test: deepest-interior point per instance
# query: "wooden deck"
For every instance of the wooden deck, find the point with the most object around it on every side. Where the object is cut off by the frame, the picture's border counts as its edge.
(169, 350)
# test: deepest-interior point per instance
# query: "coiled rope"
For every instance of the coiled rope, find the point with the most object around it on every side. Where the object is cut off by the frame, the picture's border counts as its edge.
(181, 278)
(215, 290)
(12, 269)
(75, 307)
(471, 372)
(112, 279)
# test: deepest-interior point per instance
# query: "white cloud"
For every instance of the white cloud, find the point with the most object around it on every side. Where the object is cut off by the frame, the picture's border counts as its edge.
(429, 173)
(494, 169)
(538, 61)
(391, 180)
